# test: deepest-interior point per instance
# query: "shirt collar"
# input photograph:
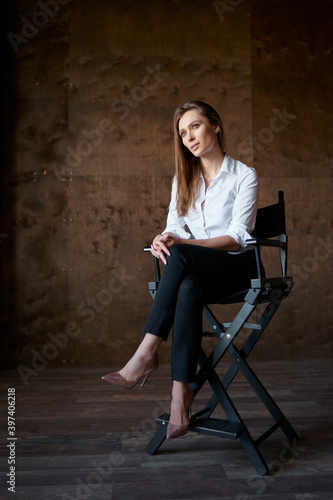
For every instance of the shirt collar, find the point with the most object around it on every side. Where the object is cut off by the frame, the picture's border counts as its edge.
(226, 166)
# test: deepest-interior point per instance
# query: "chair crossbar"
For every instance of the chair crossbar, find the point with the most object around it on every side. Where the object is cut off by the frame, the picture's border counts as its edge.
(224, 326)
(268, 433)
(212, 335)
(223, 398)
(245, 351)
(250, 326)
(263, 394)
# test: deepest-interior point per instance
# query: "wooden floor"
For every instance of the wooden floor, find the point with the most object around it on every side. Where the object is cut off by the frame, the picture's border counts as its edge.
(79, 437)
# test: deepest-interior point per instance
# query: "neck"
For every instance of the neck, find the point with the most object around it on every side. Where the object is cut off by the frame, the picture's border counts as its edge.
(211, 166)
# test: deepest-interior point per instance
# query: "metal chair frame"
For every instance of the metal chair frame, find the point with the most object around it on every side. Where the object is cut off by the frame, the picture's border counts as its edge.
(270, 223)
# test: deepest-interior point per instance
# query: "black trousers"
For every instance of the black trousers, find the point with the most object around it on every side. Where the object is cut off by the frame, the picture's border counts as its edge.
(193, 276)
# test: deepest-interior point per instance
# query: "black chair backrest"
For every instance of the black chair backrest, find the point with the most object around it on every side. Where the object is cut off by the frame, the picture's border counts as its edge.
(271, 220)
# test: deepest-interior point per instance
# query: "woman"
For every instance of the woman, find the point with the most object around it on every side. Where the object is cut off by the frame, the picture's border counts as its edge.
(216, 197)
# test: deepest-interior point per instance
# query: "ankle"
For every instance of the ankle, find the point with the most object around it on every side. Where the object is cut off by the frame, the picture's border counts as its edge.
(149, 345)
(180, 392)
(144, 356)
(180, 403)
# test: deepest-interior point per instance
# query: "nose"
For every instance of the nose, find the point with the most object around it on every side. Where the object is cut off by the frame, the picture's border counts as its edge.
(190, 136)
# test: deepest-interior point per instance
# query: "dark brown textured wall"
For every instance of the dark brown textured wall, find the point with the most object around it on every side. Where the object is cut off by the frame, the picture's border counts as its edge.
(90, 90)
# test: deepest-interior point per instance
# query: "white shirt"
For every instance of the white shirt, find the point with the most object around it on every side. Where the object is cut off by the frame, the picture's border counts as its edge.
(227, 207)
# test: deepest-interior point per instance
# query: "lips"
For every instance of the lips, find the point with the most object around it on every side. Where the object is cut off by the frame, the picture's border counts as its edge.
(195, 146)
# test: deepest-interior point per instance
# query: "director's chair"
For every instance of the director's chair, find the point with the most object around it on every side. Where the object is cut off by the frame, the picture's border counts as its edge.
(270, 291)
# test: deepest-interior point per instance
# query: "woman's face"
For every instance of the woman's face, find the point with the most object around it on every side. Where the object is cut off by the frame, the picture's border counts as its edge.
(197, 134)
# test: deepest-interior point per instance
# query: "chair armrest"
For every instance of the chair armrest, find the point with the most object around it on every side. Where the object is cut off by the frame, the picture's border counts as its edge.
(156, 264)
(266, 242)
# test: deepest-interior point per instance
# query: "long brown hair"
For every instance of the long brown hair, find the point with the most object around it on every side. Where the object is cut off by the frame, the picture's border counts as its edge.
(188, 167)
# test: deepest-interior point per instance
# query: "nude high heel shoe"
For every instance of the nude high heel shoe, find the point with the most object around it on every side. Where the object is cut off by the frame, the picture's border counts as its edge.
(117, 379)
(174, 430)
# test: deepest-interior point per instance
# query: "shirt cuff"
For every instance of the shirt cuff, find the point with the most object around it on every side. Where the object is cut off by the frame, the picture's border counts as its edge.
(240, 234)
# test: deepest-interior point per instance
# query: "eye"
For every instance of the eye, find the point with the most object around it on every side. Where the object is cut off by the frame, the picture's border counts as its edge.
(182, 134)
(196, 125)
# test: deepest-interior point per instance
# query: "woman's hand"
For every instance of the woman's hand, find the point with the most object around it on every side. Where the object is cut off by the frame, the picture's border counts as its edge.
(162, 243)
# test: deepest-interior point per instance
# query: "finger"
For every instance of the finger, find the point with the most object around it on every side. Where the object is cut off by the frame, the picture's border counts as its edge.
(153, 251)
(164, 248)
(155, 246)
(170, 243)
(159, 254)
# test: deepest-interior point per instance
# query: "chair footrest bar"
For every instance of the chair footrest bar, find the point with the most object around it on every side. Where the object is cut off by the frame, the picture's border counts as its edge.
(217, 427)
(212, 426)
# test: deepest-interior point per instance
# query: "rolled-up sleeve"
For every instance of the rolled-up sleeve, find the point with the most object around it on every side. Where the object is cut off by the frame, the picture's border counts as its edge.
(245, 208)
(175, 224)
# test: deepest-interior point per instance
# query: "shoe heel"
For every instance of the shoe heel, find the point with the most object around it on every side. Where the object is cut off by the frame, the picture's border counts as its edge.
(144, 380)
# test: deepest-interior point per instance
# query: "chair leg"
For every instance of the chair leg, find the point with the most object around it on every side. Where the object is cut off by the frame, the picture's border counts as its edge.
(263, 395)
(220, 395)
(253, 453)
(245, 437)
(240, 364)
(157, 440)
